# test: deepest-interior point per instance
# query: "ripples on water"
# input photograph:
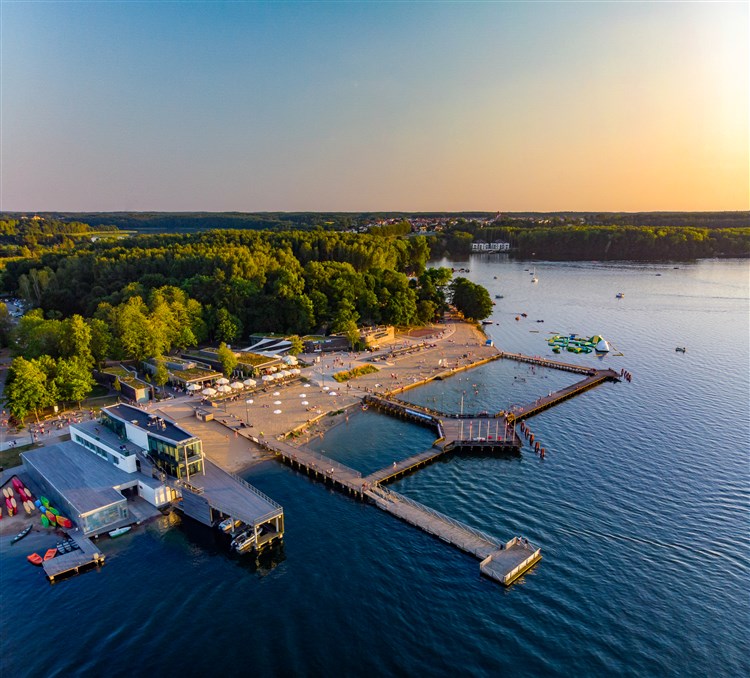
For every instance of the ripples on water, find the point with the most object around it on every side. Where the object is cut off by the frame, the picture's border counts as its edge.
(641, 509)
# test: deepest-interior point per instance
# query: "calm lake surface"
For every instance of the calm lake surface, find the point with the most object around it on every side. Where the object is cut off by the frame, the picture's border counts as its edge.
(641, 508)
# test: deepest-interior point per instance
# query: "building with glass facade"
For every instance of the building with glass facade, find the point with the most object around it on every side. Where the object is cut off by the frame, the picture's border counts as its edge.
(172, 449)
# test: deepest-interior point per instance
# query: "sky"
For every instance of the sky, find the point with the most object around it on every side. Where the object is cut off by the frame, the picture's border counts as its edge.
(374, 106)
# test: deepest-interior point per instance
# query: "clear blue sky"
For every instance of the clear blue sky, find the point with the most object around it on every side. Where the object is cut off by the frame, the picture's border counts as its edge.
(182, 106)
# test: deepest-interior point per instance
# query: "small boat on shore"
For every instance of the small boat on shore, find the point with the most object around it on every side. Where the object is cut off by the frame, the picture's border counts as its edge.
(21, 534)
(119, 531)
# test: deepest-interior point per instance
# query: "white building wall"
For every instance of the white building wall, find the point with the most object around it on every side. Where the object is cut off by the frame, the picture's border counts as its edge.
(126, 463)
(156, 496)
(136, 435)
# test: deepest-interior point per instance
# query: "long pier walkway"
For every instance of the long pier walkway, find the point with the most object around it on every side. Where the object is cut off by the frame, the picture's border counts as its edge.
(598, 377)
(401, 468)
(317, 465)
(546, 362)
(504, 562)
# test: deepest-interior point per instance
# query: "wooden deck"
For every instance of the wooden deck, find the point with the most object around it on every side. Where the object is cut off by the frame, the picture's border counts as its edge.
(74, 562)
(546, 362)
(401, 468)
(480, 433)
(599, 377)
(502, 562)
(511, 561)
(317, 465)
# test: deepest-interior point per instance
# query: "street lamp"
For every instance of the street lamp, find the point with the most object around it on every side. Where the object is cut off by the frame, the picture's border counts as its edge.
(249, 401)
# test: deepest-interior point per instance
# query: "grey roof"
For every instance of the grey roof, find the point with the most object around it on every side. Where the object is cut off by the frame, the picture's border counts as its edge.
(230, 495)
(85, 480)
(135, 415)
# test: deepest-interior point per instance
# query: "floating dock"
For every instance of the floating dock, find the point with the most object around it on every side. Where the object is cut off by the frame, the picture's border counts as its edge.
(86, 557)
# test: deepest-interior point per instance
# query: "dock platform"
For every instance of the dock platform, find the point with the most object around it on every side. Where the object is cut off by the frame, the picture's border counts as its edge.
(502, 562)
(68, 564)
(544, 403)
(509, 563)
(212, 496)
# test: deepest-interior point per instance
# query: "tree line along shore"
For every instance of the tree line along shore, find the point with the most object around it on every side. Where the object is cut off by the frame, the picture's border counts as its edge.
(93, 292)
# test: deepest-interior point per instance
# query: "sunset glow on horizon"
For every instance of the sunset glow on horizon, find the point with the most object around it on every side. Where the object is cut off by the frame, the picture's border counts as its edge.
(375, 106)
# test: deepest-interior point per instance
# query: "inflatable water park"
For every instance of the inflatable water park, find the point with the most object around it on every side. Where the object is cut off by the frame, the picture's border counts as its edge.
(575, 344)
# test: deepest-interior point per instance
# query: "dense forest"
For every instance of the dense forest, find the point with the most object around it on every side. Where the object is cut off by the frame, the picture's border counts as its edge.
(29, 236)
(292, 282)
(567, 242)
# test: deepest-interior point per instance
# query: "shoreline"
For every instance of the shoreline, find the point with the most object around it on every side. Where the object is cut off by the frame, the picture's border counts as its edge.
(451, 347)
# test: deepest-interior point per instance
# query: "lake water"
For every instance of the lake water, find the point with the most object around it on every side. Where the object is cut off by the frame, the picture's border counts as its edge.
(641, 508)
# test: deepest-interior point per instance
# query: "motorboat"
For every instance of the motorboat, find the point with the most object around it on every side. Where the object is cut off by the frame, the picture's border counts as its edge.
(681, 349)
(228, 525)
(119, 531)
(244, 542)
(620, 295)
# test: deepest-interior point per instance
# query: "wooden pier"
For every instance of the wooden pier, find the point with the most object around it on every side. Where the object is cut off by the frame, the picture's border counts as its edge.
(546, 362)
(467, 432)
(85, 557)
(503, 562)
(316, 465)
(598, 377)
(401, 468)
(405, 410)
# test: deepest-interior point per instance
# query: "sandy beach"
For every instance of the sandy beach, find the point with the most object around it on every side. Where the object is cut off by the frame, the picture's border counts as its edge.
(315, 402)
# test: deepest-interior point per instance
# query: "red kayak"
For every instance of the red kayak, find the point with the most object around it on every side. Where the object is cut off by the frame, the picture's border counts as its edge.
(34, 559)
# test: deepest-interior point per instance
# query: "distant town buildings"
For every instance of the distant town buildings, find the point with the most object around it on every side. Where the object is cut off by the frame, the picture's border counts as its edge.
(497, 246)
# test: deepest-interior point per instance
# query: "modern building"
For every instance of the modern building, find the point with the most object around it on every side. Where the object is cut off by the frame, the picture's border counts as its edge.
(86, 488)
(172, 449)
(131, 386)
(97, 477)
